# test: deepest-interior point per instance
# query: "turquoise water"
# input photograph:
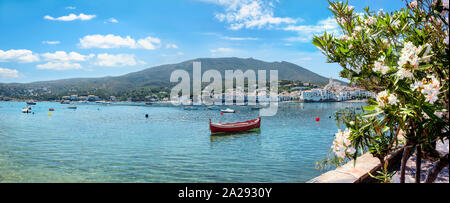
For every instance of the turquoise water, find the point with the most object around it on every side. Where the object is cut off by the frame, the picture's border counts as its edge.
(98, 143)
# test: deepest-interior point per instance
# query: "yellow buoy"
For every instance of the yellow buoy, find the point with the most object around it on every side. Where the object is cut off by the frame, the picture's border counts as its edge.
(49, 114)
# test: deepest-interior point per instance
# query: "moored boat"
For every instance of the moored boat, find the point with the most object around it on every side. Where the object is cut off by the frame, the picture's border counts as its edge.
(235, 127)
(27, 109)
(213, 107)
(228, 110)
(190, 108)
(31, 103)
(72, 107)
(255, 107)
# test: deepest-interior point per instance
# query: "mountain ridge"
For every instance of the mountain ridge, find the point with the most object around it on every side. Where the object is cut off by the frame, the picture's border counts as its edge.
(159, 76)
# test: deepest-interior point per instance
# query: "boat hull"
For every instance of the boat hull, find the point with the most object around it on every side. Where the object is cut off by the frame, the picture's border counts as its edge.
(235, 127)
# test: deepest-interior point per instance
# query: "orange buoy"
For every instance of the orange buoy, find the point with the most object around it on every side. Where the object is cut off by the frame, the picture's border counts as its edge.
(317, 119)
(51, 109)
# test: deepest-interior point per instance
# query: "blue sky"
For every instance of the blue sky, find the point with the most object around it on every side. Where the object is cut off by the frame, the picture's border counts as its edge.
(56, 39)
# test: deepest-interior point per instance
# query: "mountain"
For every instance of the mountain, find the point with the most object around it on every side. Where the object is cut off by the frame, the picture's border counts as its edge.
(158, 77)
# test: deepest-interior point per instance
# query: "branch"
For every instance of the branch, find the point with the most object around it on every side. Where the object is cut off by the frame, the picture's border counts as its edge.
(437, 167)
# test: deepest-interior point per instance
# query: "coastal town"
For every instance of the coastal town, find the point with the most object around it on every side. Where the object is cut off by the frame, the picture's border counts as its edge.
(332, 92)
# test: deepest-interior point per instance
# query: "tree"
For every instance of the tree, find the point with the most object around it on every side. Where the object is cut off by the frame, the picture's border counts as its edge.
(401, 56)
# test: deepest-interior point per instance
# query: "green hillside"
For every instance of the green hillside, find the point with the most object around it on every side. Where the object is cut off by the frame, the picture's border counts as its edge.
(154, 79)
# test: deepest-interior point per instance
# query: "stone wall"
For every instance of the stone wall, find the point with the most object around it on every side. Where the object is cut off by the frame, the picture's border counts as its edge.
(358, 172)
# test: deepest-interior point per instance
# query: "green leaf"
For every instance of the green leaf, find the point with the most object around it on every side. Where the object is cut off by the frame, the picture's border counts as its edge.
(370, 108)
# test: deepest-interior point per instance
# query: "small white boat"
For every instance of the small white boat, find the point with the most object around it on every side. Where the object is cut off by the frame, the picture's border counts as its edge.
(228, 110)
(213, 108)
(190, 108)
(256, 107)
(26, 110)
(72, 107)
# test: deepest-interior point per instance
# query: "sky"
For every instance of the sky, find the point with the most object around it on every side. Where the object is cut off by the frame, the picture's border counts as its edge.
(56, 39)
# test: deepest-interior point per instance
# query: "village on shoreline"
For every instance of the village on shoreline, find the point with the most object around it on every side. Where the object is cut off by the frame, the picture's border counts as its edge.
(332, 92)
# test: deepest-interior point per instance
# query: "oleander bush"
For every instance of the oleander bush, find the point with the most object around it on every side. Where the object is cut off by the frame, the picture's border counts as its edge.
(402, 56)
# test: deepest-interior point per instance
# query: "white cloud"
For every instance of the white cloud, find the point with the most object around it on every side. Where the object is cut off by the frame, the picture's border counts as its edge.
(221, 50)
(149, 43)
(70, 8)
(306, 32)
(51, 42)
(249, 14)
(224, 52)
(66, 57)
(111, 41)
(112, 20)
(18, 55)
(59, 66)
(240, 38)
(71, 17)
(106, 42)
(8, 73)
(173, 46)
(111, 60)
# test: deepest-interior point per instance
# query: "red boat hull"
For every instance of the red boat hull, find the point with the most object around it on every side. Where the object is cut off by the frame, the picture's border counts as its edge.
(234, 127)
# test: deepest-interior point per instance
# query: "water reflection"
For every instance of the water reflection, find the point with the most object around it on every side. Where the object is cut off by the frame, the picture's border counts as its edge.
(227, 137)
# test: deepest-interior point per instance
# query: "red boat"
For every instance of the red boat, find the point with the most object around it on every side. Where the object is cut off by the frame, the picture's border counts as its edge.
(234, 127)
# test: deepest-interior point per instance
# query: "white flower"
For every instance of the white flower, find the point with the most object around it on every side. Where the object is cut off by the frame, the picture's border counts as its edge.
(417, 85)
(403, 73)
(380, 67)
(380, 12)
(392, 99)
(413, 4)
(431, 90)
(439, 114)
(350, 150)
(342, 143)
(345, 37)
(410, 55)
(384, 98)
(358, 29)
(370, 21)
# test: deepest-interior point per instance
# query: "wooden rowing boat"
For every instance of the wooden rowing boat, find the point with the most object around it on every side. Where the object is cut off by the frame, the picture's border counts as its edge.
(234, 127)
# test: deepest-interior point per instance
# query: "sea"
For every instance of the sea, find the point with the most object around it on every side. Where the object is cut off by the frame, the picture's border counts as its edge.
(118, 143)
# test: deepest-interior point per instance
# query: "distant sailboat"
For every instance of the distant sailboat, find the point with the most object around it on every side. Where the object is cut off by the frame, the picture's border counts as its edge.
(27, 109)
